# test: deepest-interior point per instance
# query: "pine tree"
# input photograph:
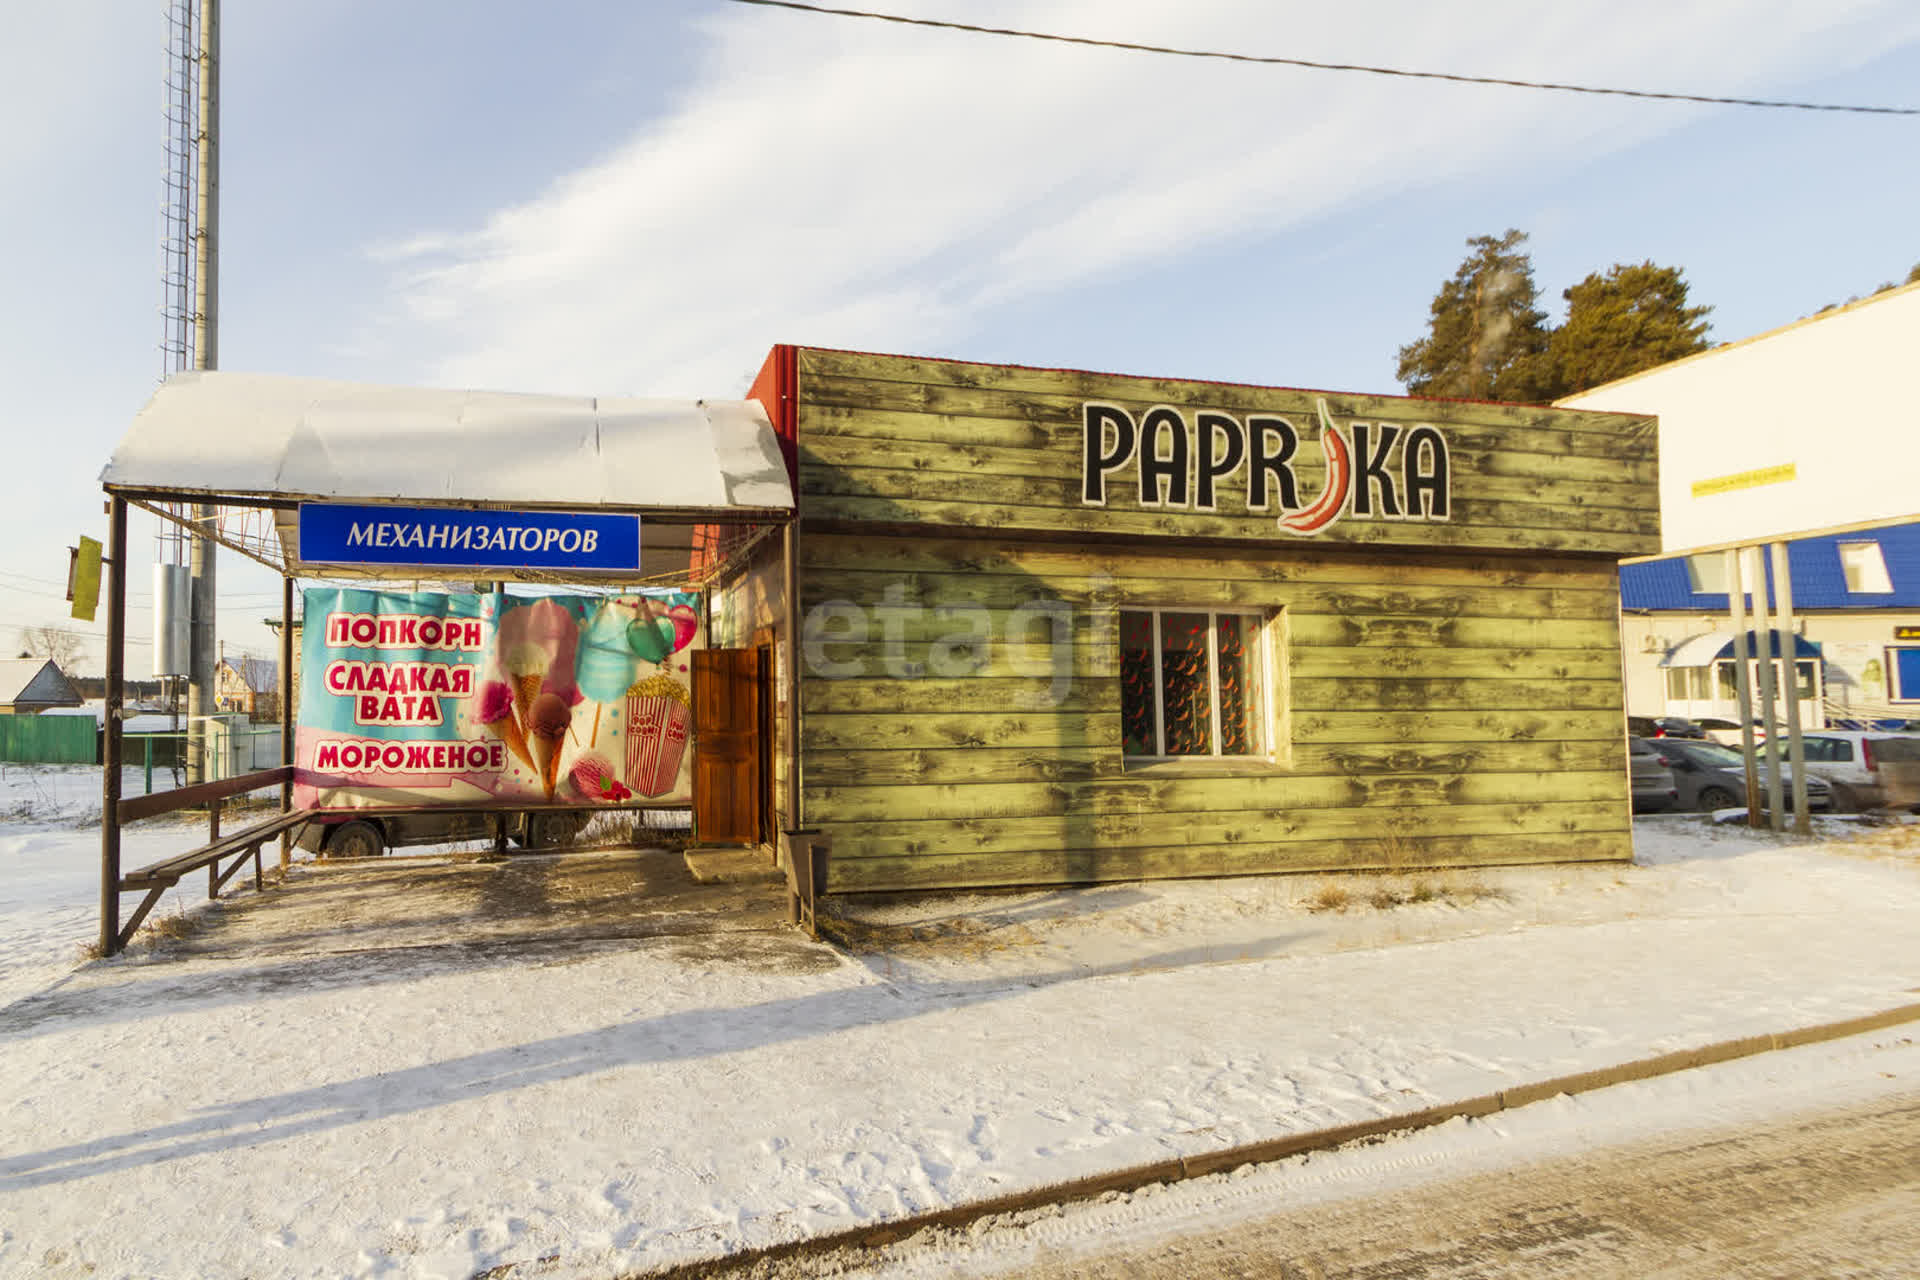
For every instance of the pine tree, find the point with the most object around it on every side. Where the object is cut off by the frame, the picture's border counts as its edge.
(1486, 338)
(1632, 318)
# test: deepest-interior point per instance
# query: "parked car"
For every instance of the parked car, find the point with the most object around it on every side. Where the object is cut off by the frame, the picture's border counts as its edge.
(1653, 787)
(1664, 727)
(1850, 760)
(1710, 776)
(370, 833)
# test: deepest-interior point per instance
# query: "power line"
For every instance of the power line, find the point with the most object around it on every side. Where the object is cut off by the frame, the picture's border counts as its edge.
(27, 577)
(1326, 66)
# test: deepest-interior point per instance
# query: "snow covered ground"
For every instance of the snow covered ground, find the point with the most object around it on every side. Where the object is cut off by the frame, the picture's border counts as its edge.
(608, 1108)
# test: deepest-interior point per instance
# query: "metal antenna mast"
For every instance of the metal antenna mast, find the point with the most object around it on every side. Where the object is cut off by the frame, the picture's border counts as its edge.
(190, 296)
(181, 108)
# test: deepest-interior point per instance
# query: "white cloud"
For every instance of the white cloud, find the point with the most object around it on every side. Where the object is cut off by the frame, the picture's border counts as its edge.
(864, 184)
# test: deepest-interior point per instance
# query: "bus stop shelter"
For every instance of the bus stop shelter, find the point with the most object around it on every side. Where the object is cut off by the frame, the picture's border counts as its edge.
(249, 460)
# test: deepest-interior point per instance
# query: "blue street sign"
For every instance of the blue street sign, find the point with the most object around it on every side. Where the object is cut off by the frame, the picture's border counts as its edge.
(454, 537)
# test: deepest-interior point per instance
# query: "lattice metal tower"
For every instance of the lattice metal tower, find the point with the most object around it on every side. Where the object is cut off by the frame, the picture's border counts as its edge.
(178, 226)
(180, 111)
(189, 293)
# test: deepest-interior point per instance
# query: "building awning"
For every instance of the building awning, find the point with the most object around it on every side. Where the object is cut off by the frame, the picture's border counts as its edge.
(1701, 651)
(262, 440)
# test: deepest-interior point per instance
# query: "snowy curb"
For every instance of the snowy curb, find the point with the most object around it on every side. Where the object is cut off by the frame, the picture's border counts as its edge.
(1181, 1168)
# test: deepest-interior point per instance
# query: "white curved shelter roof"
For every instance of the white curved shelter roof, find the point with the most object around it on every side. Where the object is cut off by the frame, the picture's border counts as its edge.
(246, 435)
(256, 446)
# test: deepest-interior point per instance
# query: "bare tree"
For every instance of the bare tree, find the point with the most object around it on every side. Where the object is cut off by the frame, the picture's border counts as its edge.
(64, 647)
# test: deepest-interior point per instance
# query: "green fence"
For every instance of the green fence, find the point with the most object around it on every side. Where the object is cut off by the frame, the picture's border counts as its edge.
(231, 750)
(50, 739)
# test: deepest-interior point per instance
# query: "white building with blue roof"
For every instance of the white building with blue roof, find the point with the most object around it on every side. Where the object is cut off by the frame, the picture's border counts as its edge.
(1856, 599)
(1808, 435)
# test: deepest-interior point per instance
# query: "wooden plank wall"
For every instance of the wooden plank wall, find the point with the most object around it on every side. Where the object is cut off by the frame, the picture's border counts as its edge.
(1466, 713)
(907, 442)
(1451, 692)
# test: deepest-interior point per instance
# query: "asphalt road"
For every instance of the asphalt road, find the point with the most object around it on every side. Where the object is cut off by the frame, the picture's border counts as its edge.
(1832, 1193)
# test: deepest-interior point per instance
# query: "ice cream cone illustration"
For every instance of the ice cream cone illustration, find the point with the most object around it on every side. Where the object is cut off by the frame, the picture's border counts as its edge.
(534, 652)
(525, 689)
(535, 646)
(659, 716)
(547, 735)
(494, 713)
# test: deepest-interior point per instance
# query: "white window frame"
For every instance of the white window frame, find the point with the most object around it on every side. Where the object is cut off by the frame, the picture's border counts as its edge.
(1707, 574)
(1863, 565)
(1264, 625)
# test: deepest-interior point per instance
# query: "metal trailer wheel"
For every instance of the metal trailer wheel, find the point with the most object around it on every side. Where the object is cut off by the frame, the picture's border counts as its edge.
(356, 839)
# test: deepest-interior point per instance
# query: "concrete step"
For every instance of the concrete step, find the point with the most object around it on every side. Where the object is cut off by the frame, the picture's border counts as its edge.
(731, 864)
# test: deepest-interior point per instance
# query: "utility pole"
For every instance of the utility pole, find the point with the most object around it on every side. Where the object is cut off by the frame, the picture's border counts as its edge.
(206, 352)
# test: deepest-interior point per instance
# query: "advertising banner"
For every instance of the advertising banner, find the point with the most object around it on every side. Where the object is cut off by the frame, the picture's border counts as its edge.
(424, 698)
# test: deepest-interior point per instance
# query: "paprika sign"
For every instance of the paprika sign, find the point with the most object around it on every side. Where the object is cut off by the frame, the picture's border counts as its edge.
(1373, 471)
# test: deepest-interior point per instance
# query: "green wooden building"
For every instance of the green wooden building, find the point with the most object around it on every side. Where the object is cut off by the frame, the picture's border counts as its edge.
(1053, 627)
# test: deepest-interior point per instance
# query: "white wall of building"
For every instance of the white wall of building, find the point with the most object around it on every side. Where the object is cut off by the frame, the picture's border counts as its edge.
(1811, 427)
(1853, 646)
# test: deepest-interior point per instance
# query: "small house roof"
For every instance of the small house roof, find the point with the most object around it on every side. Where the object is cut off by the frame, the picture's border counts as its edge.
(36, 680)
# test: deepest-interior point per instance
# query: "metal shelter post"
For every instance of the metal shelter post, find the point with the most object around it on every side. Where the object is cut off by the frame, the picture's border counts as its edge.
(110, 741)
(286, 711)
(202, 638)
(1742, 686)
(1762, 612)
(1790, 670)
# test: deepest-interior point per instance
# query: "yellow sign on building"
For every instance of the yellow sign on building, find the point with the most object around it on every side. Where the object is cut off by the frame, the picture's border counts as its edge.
(1744, 480)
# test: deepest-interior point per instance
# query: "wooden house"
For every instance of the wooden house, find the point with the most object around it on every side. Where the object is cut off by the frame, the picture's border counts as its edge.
(1063, 627)
(248, 685)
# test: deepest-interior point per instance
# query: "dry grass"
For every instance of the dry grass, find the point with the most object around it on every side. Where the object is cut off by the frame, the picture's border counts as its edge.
(1331, 897)
(1384, 895)
(157, 929)
(1392, 882)
(171, 928)
(1395, 854)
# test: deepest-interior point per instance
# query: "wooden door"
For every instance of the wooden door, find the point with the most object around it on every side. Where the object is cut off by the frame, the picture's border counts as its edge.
(726, 746)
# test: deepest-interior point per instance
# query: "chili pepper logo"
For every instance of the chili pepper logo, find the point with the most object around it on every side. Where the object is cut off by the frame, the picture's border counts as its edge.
(1325, 509)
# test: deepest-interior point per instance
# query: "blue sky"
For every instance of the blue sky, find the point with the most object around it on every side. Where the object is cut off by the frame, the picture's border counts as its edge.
(598, 197)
